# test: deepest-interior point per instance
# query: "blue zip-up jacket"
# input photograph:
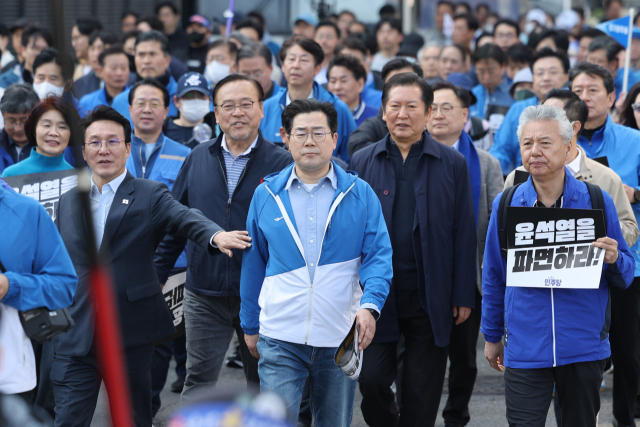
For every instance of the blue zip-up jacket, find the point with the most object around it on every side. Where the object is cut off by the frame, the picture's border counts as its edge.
(95, 98)
(371, 97)
(12, 75)
(617, 82)
(278, 298)
(121, 101)
(39, 269)
(272, 121)
(621, 146)
(499, 97)
(506, 146)
(543, 327)
(163, 165)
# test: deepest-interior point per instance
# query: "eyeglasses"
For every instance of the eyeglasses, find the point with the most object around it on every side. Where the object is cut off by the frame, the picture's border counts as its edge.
(636, 107)
(257, 75)
(229, 108)
(444, 108)
(140, 104)
(12, 124)
(317, 135)
(112, 144)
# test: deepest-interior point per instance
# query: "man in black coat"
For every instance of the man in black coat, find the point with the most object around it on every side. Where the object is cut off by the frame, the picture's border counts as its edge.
(425, 193)
(219, 178)
(130, 218)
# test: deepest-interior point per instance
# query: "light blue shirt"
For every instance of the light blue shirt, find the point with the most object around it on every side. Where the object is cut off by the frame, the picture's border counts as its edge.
(235, 165)
(148, 149)
(101, 204)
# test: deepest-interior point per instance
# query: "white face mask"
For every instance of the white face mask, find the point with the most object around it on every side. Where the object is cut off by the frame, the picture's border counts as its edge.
(194, 110)
(46, 89)
(216, 71)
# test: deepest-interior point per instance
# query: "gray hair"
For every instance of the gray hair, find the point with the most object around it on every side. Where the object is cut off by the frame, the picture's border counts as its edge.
(254, 49)
(18, 99)
(536, 113)
(428, 45)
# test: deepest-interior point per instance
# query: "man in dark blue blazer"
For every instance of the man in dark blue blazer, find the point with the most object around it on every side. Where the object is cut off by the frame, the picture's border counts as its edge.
(426, 197)
(130, 218)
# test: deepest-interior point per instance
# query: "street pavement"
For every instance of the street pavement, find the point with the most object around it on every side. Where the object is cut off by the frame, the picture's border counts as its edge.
(487, 406)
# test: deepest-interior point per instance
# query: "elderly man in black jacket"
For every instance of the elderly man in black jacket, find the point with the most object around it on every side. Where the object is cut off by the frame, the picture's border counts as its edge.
(219, 178)
(426, 196)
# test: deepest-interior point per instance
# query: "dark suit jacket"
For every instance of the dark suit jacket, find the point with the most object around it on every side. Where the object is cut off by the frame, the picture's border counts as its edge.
(444, 237)
(85, 85)
(132, 233)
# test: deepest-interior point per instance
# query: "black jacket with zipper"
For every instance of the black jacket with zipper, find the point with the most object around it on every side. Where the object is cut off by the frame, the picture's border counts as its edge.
(202, 184)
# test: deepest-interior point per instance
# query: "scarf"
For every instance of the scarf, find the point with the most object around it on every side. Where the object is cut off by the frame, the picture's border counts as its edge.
(468, 150)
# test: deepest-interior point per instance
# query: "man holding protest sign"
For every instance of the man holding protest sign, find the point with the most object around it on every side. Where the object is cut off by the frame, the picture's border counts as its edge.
(551, 335)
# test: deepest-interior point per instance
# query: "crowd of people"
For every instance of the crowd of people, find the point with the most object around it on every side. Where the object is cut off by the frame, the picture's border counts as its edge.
(351, 174)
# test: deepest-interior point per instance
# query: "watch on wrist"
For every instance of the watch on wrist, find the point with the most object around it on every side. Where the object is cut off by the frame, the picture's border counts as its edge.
(374, 313)
(636, 196)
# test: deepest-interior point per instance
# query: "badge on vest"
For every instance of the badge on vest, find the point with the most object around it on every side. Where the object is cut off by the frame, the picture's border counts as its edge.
(125, 201)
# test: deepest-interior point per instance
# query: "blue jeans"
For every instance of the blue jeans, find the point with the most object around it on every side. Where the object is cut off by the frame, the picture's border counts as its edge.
(284, 367)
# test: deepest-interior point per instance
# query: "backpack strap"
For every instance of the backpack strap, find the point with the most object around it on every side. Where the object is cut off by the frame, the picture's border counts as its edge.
(597, 200)
(505, 201)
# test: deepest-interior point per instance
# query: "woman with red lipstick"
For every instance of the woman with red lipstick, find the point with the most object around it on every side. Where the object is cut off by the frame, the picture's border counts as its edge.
(52, 126)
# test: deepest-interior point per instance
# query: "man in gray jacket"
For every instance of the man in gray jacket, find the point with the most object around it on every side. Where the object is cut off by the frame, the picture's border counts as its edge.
(448, 116)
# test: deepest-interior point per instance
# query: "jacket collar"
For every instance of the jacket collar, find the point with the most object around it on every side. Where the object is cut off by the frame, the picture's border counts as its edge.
(318, 91)
(278, 181)
(530, 194)
(584, 172)
(216, 148)
(430, 147)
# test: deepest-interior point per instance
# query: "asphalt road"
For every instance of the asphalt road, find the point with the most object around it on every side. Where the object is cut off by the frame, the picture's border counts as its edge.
(487, 405)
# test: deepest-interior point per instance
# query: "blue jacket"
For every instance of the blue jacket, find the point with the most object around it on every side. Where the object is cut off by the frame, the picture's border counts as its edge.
(163, 166)
(363, 112)
(272, 121)
(276, 89)
(617, 82)
(95, 98)
(550, 327)
(621, 146)
(506, 146)
(121, 101)
(278, 298)
(500, 97)
(39, 269)
(372, 97)
(12, 75)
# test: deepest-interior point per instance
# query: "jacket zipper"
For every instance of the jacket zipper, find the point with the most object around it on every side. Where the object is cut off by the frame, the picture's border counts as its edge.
(144, 167)
(227, 182)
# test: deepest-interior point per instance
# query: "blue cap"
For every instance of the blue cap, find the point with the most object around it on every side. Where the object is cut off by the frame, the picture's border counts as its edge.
(199, 19)
(308, 18)
(192, 81)
(463, 81)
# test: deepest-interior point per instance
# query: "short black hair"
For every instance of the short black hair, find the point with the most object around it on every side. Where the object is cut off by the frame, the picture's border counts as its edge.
(254, 49)
(398, 64)
(130, 34)
(408, 79)
(560, 39)
(148, 81)
(446, 3)
(592, 70)
(547, 52)
(350, 63)
(627, 118)
(459, 48)
(483, 5)
(4, 30)
(609, 45)
(154, 22)
(258, 17)
(394, 23)
(348, 12)
(481, 36)
(87, 25)
(107, 37)
(231, 46)
(465, 5)
(155, 36)
(171, 5)
(472, 21)
(129, 13)
(251, 23)
(306, 44)
(519, 53)
(591, 33)
(510, 23)
(329, 23)
(353, 43)
(106, 113)
(306, 106)
(462, 94)
(115, 49)
(387, 10)
(235, 78)
(490, 51)
(575, 108)
(62, 59)
(33, 33)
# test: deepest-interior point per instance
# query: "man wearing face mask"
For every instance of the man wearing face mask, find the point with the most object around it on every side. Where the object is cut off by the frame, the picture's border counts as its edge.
(221, 58)
(199, 31)
(194, 103)
(34, 40)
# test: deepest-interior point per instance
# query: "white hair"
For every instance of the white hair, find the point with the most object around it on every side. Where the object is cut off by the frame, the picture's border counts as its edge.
(536, 113)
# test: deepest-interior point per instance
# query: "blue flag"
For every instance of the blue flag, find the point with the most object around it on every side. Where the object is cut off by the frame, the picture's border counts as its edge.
(618, 29)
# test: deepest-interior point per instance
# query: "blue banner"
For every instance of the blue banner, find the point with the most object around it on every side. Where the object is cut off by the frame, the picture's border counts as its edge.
(618, 29)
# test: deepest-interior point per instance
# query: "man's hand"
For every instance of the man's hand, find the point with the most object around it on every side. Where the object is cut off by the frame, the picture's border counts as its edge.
(366, 325)
(629, 191)
(495, 355)
(232, 240)
(610, 246)
(252, 343)
(462, 313)
(4, 286)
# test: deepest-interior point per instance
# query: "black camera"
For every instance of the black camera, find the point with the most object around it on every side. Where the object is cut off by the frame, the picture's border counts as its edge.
(42, 324)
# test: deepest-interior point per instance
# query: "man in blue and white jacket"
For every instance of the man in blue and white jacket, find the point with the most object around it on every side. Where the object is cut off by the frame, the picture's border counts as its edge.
(312, 218)
(551, 336)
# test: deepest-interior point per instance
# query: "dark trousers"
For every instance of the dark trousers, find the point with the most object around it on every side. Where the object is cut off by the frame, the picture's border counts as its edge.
(463, 370)
(423, 373)
(528, 394)
(76, 384)
(624, 337)
(160, 367)
(44, 391)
